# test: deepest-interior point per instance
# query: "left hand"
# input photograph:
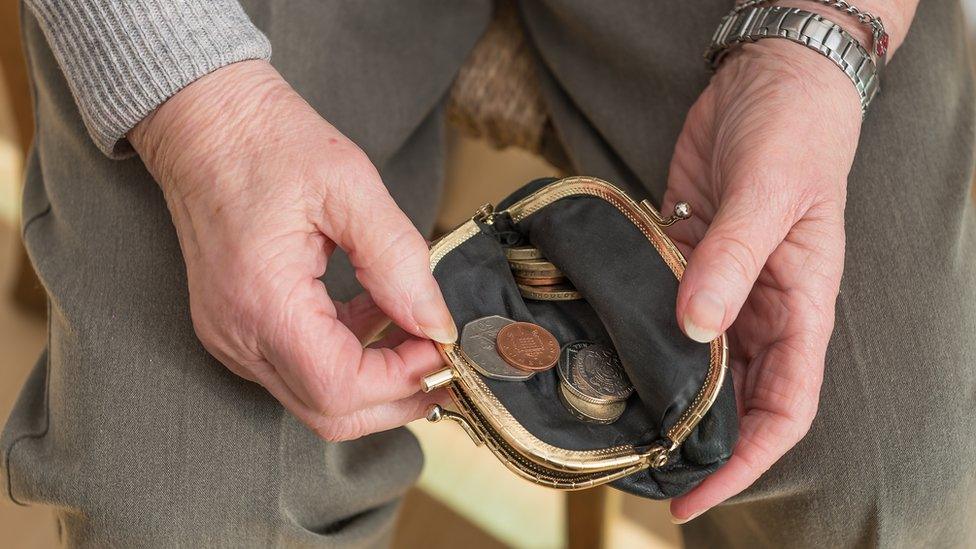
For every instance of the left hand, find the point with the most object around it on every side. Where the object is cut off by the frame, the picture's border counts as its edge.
(764, 157)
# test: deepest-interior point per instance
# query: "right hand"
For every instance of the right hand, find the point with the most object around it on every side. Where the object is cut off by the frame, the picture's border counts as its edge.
(261, 190)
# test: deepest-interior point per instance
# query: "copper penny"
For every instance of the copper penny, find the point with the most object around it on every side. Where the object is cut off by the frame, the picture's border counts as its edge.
(528, 346)
(540, 281)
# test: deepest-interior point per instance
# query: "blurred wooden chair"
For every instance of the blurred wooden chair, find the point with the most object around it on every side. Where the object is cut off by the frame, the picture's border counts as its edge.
(27, 291)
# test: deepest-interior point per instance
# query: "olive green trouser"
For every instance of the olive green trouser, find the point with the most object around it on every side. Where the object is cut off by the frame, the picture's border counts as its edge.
(136, 436)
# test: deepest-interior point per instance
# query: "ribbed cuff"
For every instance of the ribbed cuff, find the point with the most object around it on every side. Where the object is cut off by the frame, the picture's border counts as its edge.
(124, 58)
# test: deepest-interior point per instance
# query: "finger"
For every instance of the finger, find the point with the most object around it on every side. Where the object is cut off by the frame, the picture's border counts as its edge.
(380, 417)
(390, 256)
(391, 338)
(764, 438)
(724, 266)
(376, 418)
(325, 365)
(749, 460)
(780, 388)
(779, 412)
(363, 318)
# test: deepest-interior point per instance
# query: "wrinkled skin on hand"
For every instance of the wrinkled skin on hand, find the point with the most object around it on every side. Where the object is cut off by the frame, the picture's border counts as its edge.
(764, 157)
(262, 190)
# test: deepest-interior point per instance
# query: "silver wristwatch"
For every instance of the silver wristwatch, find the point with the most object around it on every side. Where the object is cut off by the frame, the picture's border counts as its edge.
(806, 28)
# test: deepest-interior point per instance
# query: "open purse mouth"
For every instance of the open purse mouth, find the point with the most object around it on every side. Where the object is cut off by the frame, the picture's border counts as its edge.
(514, 419)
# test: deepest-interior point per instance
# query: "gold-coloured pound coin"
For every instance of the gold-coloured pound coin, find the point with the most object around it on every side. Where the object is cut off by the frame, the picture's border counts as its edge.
(539, 281)
(517, 253)
(553, 292)
(535, 268)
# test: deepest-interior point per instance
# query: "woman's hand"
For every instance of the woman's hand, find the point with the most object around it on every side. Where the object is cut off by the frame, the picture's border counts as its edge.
(764, 157)
(261, 190)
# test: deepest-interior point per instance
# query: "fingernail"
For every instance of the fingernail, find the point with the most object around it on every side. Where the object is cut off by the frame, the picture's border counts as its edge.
(676, 520)
(703, 317)
(434, 320)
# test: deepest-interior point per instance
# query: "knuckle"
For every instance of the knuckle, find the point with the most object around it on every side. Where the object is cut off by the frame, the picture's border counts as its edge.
(326, 404)
(356, 163)
(340, 429)
(208, 332)
(402, 249)
(347, 164)
(201, 327)
(324, 398)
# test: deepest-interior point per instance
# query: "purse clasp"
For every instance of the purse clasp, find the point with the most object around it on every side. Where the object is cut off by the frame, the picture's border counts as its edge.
(436, 380)
(682, 210)
(485, 214)
(436, 413)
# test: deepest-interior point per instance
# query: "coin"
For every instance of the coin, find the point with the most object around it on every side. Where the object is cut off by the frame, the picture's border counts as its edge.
(539, 281)
(597, 372)
(478, 345)
(528, 346)
(523, 252)
(534, 268)
(587, 411)
(592, 372)
(554, 292)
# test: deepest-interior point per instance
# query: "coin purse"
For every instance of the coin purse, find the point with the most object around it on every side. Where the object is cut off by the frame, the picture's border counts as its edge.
(680, 423)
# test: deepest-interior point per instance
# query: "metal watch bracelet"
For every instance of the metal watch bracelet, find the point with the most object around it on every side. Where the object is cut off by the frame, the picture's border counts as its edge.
(803, 27)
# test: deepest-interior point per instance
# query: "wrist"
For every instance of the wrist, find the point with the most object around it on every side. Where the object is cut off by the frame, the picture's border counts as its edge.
(893, 16)
(780, 68)
(207, 120)
(755, 20)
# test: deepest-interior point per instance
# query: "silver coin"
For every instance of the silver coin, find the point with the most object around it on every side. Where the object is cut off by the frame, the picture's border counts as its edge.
(565, 369)
(588, 411)
(598, 373)
(478, 345)
(592, 372)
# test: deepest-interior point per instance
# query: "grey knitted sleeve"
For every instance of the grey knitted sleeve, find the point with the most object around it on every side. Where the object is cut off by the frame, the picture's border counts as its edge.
(123, 58)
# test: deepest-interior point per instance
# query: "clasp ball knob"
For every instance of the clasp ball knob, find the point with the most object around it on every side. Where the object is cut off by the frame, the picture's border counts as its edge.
(435, 413)
(682, 210)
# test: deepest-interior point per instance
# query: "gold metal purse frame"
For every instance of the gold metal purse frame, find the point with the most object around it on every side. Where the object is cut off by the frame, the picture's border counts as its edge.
(488, 422)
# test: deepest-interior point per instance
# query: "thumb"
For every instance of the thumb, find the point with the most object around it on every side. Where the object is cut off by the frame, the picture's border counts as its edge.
(390, 256)
(725, 264)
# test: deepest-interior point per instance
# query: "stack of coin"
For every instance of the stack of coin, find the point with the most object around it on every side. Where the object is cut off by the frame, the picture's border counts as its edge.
(592, 382)
(500, 348)
(538, 278)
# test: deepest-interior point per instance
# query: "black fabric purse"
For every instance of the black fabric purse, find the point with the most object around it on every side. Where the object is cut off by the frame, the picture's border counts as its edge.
(679, 425)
